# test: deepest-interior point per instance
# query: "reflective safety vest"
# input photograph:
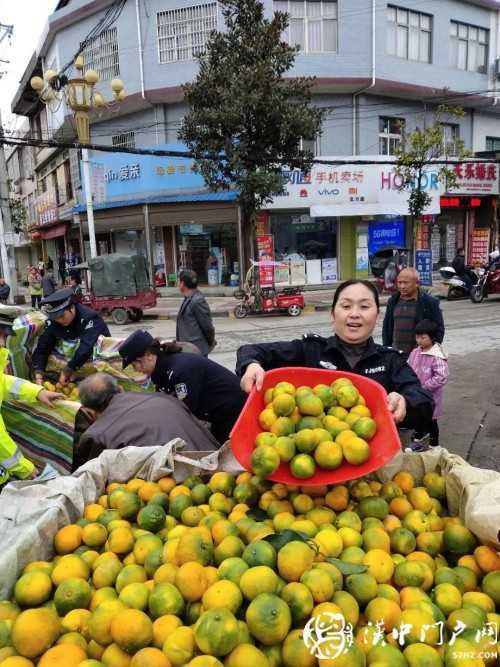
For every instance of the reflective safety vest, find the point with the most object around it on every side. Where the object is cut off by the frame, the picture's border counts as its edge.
(12, 461)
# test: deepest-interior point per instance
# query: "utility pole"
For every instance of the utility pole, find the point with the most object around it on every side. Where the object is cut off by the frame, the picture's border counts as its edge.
(5, 220)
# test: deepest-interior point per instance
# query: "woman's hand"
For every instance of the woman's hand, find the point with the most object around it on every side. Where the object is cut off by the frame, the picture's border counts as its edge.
(48, 397)
(397, 406)
(64, 377)
(254, 375)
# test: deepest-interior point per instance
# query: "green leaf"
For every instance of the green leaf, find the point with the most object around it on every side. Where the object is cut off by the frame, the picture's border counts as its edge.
(347, 568)
(278, 540)
(257, 514)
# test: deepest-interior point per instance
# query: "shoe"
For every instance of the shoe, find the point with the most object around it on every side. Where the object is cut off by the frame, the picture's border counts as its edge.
(419, 444)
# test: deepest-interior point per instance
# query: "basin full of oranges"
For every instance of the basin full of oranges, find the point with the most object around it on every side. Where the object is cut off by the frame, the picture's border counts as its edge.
(235, 571)
(316, 426)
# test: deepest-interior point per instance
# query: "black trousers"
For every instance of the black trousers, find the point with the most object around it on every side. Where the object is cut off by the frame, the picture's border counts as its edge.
(36, 300)
(433, 433)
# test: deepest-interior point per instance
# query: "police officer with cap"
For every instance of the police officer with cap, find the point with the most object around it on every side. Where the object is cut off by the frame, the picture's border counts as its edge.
(209, 390)
(12, 462)
(67, 321)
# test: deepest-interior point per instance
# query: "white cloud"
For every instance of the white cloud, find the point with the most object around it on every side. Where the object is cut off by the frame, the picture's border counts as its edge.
(28, 18)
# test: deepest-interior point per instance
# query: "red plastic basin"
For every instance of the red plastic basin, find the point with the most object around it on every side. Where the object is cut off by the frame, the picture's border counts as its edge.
(383, 446)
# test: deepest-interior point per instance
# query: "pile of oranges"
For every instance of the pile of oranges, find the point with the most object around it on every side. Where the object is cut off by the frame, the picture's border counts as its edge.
(239, 572)
(312, 427)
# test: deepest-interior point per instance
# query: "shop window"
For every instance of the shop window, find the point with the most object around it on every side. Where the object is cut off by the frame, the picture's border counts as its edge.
(208, 247)
(311, 145)
(492, 144)
(312, 25)
(298, 236)
(390, 135)
(124, 140)
(101, 55)
(409, 34)
(183, 33)
(451, 139)
(468, 47)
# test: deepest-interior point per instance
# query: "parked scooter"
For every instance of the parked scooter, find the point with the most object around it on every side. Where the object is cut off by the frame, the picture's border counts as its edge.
(457, 287)
(489, 280)
(386, 265)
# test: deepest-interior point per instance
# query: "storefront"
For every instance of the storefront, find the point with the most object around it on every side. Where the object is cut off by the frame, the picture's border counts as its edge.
(336, 217)
(160, 208)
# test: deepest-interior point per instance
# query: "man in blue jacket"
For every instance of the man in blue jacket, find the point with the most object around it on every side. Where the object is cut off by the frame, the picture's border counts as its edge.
(408, 306)
(67, 321)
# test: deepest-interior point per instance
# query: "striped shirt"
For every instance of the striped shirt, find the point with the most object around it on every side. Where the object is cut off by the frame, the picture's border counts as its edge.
(405, 319)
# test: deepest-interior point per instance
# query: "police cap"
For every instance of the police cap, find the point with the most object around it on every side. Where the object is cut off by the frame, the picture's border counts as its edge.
(135, 346)
(8, 314)
(56, 303)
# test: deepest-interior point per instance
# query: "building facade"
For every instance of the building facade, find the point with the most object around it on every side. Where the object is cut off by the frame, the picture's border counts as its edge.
(378, 66)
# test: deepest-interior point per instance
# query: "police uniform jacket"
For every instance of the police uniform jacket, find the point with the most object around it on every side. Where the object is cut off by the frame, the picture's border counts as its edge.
(209, 390)
(86, 327)
(386, 366)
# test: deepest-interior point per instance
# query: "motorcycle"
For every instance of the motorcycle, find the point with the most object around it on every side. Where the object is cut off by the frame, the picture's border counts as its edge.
(489, 280)
(457, 287)
(386, 264)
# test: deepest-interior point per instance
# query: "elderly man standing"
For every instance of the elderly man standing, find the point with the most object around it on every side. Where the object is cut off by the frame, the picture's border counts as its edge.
(194, 320)
(122, 418)
(408, 306)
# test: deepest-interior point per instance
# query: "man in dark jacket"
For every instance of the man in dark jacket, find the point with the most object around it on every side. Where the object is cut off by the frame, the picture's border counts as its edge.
(67, 321)
(408, 306)
(459, 266)
(194, 321)
(49, 284)
(131, 418)
(4, 291)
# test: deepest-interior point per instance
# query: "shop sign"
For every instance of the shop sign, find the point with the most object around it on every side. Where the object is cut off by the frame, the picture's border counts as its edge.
(475, 178)
(385, 234)
(329, 271)
(436, 244)
(265, 253)
(262, 223)
(124, 176)
(191, 229)
(423, 264)
(331, 190)
(479, 246)
(47, 211)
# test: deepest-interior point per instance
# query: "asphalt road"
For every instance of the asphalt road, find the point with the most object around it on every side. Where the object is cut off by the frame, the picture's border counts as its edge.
(471, 423)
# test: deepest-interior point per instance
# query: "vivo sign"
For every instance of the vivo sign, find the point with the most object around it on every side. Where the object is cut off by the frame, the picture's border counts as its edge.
(351, 189)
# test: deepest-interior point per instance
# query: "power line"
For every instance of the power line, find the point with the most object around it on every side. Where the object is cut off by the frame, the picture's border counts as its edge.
(158, 152)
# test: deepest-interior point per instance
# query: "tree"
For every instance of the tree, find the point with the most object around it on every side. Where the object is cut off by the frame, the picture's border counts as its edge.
(419, 150)
(246, 119)
(17, 215)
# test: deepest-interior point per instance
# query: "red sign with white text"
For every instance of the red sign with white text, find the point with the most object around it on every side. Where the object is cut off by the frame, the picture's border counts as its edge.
(475, 178)
(265, 253)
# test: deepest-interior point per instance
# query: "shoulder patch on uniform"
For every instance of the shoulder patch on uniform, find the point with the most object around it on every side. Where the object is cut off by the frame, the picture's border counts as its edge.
(89, 325)
(312, 336)
(181, 391)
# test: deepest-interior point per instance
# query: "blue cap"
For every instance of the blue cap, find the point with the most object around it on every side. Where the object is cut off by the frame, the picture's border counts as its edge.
(135, 346)
(56, 303)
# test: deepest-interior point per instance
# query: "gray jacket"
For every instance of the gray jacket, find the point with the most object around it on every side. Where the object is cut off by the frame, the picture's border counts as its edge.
(49, 285)
(142, 419)
(194, 323)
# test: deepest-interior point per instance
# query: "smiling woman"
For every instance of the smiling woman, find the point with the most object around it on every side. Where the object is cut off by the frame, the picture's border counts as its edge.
(354, 313)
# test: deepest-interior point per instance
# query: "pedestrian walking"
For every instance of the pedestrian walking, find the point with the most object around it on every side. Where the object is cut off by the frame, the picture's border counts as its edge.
(62, 268)
(49, 284)
(4, 291)
(430, 364)
(408, 306)
(194, 320)
(50, 263)
(35, 286)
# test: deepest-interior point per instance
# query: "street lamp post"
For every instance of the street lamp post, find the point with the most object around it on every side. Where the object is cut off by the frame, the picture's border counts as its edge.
(82, 98)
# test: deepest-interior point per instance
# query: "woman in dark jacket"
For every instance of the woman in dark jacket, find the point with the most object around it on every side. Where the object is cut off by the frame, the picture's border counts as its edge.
(209, 390)
(355, 310)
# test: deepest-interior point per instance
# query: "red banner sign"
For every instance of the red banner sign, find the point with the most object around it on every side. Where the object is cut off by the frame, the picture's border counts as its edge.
(265, 253)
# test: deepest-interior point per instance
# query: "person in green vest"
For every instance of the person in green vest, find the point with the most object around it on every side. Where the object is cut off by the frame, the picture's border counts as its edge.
(13, 464)
(35, 287)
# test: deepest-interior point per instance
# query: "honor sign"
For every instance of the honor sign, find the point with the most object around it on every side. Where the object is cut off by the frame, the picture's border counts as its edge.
(344, 190)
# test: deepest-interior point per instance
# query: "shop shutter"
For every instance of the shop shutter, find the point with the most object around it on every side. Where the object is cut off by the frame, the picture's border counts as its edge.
(185, 214)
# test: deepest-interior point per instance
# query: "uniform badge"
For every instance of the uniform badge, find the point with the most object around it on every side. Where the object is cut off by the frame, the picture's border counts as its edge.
(328, 365)
(89, 325)
(181, 391)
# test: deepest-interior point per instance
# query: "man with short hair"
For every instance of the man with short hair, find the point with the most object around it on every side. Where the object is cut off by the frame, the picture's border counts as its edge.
(408, 306)
(194, 320)
(146, 419)
(4, 291)
(68, 321)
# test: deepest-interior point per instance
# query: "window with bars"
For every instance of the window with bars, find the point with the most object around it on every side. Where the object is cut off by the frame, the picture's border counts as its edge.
(493, 144)
(183, 33)
(101, 55)
(409, 34)
(390, 135)
(124, 140)
(312, 25)
(451, 139)
(468, 47)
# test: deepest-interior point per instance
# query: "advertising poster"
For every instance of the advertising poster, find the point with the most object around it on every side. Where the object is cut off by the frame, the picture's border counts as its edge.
(479, 246)
(313, 270)
(265, 253)
(282, 273)
(386, 234)
(423, 264)
(297, 272)
(329, 270)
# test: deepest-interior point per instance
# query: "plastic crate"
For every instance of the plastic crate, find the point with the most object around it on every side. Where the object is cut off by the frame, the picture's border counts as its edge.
(383, 446)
